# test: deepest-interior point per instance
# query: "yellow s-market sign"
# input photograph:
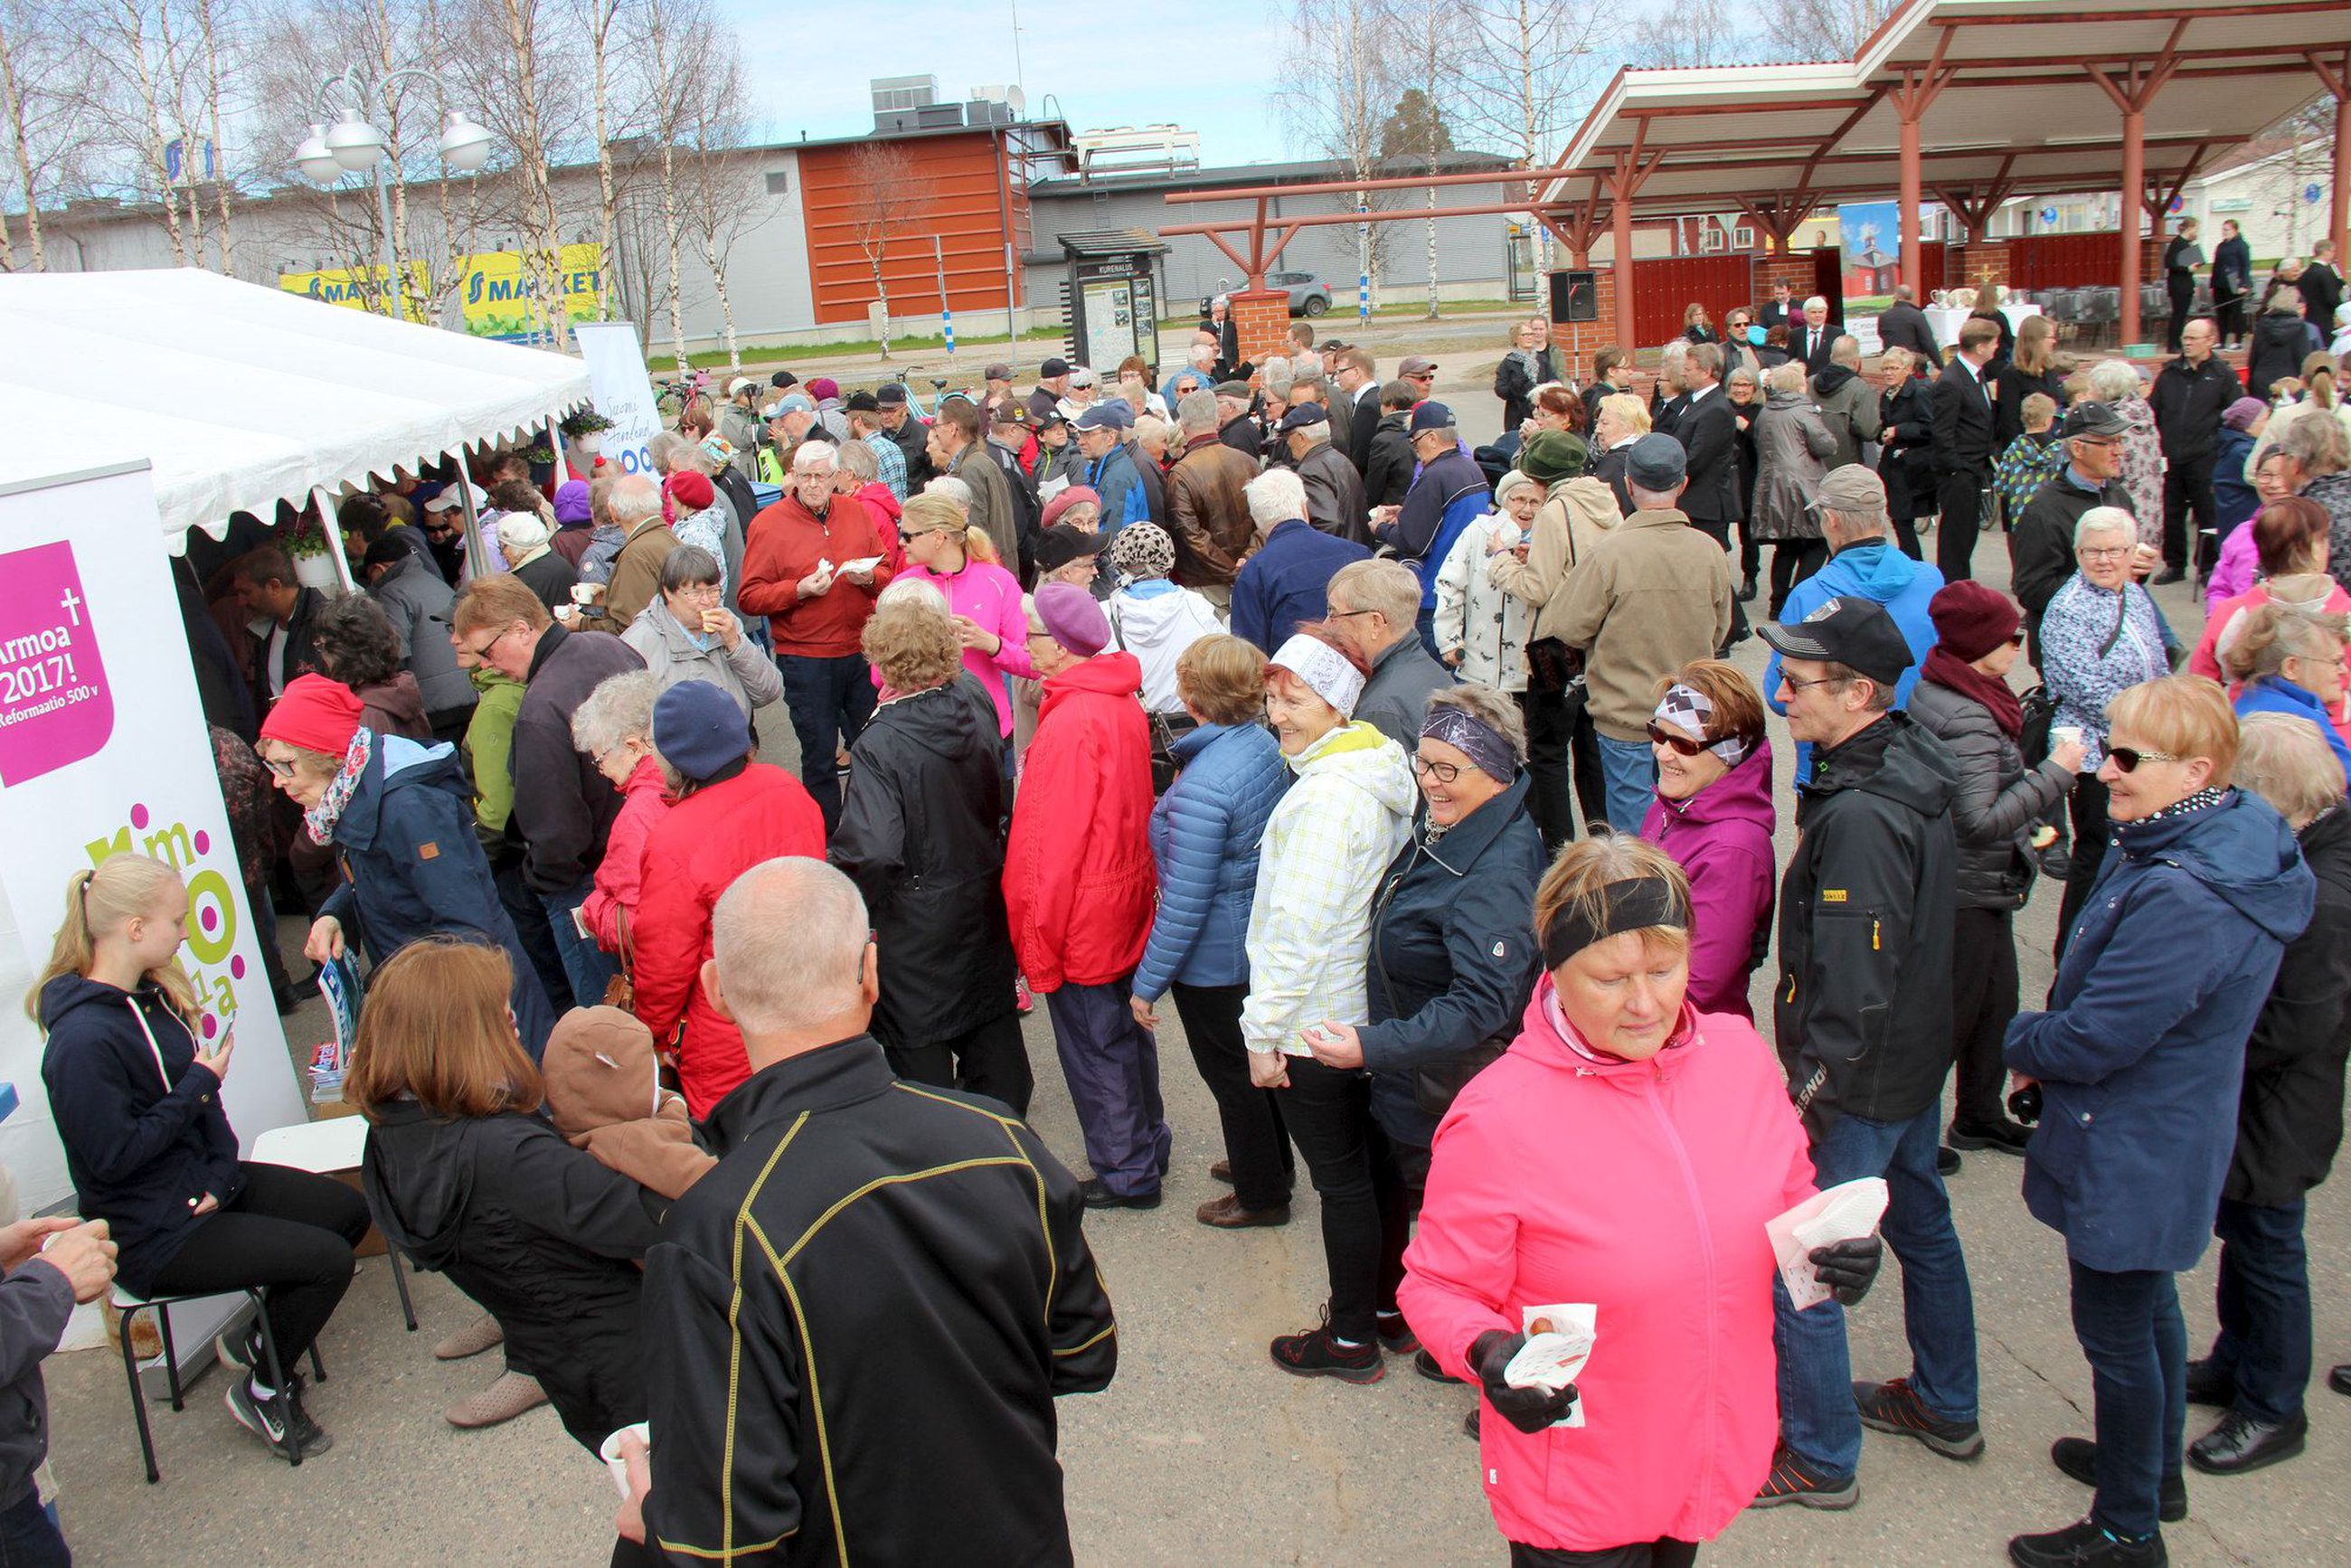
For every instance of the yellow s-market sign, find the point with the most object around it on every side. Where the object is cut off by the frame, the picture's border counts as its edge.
(498, 292)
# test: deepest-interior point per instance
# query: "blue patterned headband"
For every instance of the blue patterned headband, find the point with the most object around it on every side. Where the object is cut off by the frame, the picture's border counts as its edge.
(1481, 742)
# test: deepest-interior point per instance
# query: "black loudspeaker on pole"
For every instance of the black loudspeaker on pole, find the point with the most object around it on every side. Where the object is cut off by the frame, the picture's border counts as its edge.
(1575, 297)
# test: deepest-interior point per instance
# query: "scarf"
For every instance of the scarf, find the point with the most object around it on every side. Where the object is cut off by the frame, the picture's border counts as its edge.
(319, 820)
(1946, 668)
(2203, 798)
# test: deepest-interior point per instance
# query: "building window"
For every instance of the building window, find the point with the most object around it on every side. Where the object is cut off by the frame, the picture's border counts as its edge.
(1743, 237)
(779, 182)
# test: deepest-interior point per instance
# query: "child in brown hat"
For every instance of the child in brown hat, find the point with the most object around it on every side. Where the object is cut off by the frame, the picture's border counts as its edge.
(603, 1088)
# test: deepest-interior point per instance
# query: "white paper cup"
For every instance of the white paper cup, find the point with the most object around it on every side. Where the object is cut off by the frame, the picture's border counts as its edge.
(610, 1452)
(2064, 734)
(583, 593)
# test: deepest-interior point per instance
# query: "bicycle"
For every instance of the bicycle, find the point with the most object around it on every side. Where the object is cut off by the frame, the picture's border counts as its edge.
(673, 396)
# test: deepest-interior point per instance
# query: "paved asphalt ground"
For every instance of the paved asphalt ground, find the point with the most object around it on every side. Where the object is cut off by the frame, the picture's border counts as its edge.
(1202, 1452)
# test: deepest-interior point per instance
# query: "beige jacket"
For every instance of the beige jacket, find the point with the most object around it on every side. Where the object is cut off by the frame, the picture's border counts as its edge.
(1578, 513)
(1652, 595)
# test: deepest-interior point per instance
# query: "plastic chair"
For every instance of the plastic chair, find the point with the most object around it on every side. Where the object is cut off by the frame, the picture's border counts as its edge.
(130, 1306)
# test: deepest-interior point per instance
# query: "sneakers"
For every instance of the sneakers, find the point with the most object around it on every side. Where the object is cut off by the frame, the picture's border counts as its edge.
(1793, 1479)
(2006, 1137)
(1317, 1354)
(472, 1339)
(239, 1350)
(309, 1433)
(1895, 1407)
(513, 1393)
(1225, 1213)
(2078, 1457)
(1395, 1334)
(2085, 1545)
(272, 1419)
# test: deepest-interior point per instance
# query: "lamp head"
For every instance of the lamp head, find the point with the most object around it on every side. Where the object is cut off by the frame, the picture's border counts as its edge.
(316, 164)
(354, 144)
(465, 143)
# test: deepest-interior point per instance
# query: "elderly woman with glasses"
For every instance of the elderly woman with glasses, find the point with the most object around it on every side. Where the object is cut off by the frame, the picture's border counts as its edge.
(687, 633)
(2100, 636)
(1713, 814)
(2139, 1058)
(614, 730)
(1621, 1160)
(960, 561)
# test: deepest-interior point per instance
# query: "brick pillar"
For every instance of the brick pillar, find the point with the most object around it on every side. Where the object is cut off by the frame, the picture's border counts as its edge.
(1985, 261)
(1793, 268)
(1261, 321)
(1578, 342)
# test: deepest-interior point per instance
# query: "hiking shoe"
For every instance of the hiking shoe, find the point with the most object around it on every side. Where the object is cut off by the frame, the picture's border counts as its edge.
(472, 1339)
(1895, 1407)
(2078, 1457)
(1318, 1354)
(271, 1419)
(1395, 1334)
(2085, 1544)
(1225, 1213)
(509, 1397)
(1794, 1480)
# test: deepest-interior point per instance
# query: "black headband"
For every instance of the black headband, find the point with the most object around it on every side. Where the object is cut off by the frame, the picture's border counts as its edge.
(1632, 906)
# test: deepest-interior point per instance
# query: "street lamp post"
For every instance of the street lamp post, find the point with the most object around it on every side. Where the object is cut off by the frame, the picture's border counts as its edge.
(346, 142)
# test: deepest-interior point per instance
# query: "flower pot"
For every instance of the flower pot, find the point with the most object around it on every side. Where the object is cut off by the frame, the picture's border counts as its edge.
(317, 571)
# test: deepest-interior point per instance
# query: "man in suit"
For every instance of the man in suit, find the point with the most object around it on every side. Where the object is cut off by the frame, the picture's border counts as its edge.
(1903, 326)
(1669, 398)
(1361, 389)
(1811, 339)
(1961, 446)
(1780, 311)
(2322, 288)
(1709, 433)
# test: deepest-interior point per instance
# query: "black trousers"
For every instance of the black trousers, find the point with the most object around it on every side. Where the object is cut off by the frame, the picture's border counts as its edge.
(1665, 1551)
(2182, 289)
(1983, 999)
(288, 1229)
(1750, 554)
(1327, 1111)
(1792, 560)
(1255, 1143)
(991, 1059)
(2188, 487)
(1906, 537)
(1960, 500)
(1562, 759)
(2087, 810)
(2229, 314)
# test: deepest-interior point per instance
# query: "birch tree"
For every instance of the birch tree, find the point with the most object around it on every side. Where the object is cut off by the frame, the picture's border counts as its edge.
(1525, 71)
(721, 180)
(888, 199)
(1342, 85)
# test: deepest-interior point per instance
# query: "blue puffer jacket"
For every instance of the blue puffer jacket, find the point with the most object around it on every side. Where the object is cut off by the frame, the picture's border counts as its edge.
(1204, 834)
(2142, 1050)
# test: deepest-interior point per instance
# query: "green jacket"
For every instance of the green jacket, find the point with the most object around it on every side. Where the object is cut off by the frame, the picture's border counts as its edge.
(489, 751)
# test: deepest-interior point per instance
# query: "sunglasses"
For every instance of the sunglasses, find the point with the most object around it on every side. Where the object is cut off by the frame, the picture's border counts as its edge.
(2128, 757)
(1682, 744)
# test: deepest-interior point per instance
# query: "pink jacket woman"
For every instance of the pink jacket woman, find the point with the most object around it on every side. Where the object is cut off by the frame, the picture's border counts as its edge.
(991, 596)
(1564, 1175)
(620, 877)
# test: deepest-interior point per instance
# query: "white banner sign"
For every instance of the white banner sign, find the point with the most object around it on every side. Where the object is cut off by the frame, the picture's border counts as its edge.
(623, 391)
(104, 749)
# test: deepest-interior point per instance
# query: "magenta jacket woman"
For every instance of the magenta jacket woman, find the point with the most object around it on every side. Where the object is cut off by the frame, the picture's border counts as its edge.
(982, 595)
(1563, 1174)
(1721, 837)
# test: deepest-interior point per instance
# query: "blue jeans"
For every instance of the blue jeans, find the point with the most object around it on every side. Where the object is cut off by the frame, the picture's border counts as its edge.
(587, 968)
(830, 700)
(2265, 1303)
(1817, 1416)
(1629, 770)
(29, 1537)
(2130, 1331)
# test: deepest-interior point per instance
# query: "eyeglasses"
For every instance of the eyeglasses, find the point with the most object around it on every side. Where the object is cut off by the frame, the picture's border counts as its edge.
(280, 766)
(2104, 552)
(1682, 744)
(702, 592)
(1794, 684)
(1443, 772)
(1348, 615)
(2101, 442)
(2128, 757)
(484, 651)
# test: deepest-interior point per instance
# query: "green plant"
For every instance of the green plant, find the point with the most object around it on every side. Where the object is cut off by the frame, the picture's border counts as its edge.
(308, 538)
(583, 422)
(540, 453)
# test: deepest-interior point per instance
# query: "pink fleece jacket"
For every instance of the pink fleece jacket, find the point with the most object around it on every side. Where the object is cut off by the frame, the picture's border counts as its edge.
(1641, 1188)
(990, 596)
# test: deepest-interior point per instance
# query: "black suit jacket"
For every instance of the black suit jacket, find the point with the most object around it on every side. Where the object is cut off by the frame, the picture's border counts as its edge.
(1709, 432)
(1777, 315)
(1903, 326)
(1812, 351)
(1962, 422)
(1366, 420)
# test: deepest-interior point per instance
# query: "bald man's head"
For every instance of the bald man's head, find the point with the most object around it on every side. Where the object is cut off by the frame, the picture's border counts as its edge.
(788, 950)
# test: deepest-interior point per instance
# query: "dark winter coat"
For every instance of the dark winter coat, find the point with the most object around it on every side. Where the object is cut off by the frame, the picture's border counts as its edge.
(1709, 432)
(1454, 954)
(1998, 801)
(1862, 1009)
(1334, 494)
(551, 577)
(1205, 833)
(144, 1131)
(924, 1240)
(1388, 477)
(563, 808)
(417, 602)
(2141, 1054)
(920, 835)
(2273, 350)
(2188, 402)
(412, 866)
(1395, 699)
(2009, 389)
(36, 1301)
(1287, 581)
(1904, 422)
(2290, 1114)
(541, 1235)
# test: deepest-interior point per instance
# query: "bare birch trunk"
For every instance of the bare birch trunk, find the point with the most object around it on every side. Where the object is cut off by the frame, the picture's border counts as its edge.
(11, 104)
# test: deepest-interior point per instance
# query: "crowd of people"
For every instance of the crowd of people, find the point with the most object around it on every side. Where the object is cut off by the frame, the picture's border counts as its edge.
(1415, 780)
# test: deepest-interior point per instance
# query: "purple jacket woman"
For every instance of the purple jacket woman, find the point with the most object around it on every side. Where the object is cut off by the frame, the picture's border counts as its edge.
(1721, 837)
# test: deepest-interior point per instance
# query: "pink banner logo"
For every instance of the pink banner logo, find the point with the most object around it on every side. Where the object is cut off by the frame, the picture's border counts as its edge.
(55, 705)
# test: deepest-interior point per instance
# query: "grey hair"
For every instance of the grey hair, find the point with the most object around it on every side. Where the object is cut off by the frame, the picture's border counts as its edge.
(1451, 432)
(1787, 376)
(1201, 353)
(689, 566)
(1674, 353)
(2104, 520)
(663, 448)
(2288, 763)
(695, 458)
(1812, 299)
(1389, 587)
(789, 940)
(2111, 381)
(2318, 444)
(1488, 707)
(634, 498)
(953, 488)
(1197, 409)
(1274, 497)
(859, 459)
(807, 456)
(620, 707)
(911, 587)
(1737, 374)
(1846, 351)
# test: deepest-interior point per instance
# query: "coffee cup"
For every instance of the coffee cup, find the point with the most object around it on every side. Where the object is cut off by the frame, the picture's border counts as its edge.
(610, 1452)
(2064, 734)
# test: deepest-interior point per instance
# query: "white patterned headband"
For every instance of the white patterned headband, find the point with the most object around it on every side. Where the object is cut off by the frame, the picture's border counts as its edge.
(1687, 708)
(1325, 671)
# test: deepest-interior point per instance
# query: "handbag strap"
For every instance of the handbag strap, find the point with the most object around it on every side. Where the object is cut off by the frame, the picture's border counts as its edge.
(628, 945)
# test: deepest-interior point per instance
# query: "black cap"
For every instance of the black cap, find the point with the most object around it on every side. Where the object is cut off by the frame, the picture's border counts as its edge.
(387, 550)
(2094, 419)
(1052, 368)
(1060, 545)
(892, 396)
(783, 379)
(862, 403)
(1302, 414)
(1851, 631)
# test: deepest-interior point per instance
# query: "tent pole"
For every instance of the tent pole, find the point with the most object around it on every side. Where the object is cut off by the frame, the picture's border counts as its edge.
(476, 553)
(326, 504)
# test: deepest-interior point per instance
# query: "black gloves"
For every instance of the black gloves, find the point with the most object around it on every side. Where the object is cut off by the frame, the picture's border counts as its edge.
(1847, 1267)
(1528, 1409)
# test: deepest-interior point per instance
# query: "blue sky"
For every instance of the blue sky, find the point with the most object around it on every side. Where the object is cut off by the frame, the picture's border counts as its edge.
(1211, 66)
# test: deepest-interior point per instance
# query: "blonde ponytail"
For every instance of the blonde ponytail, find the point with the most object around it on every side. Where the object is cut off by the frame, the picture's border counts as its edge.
(928, 509)
(121, 888)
